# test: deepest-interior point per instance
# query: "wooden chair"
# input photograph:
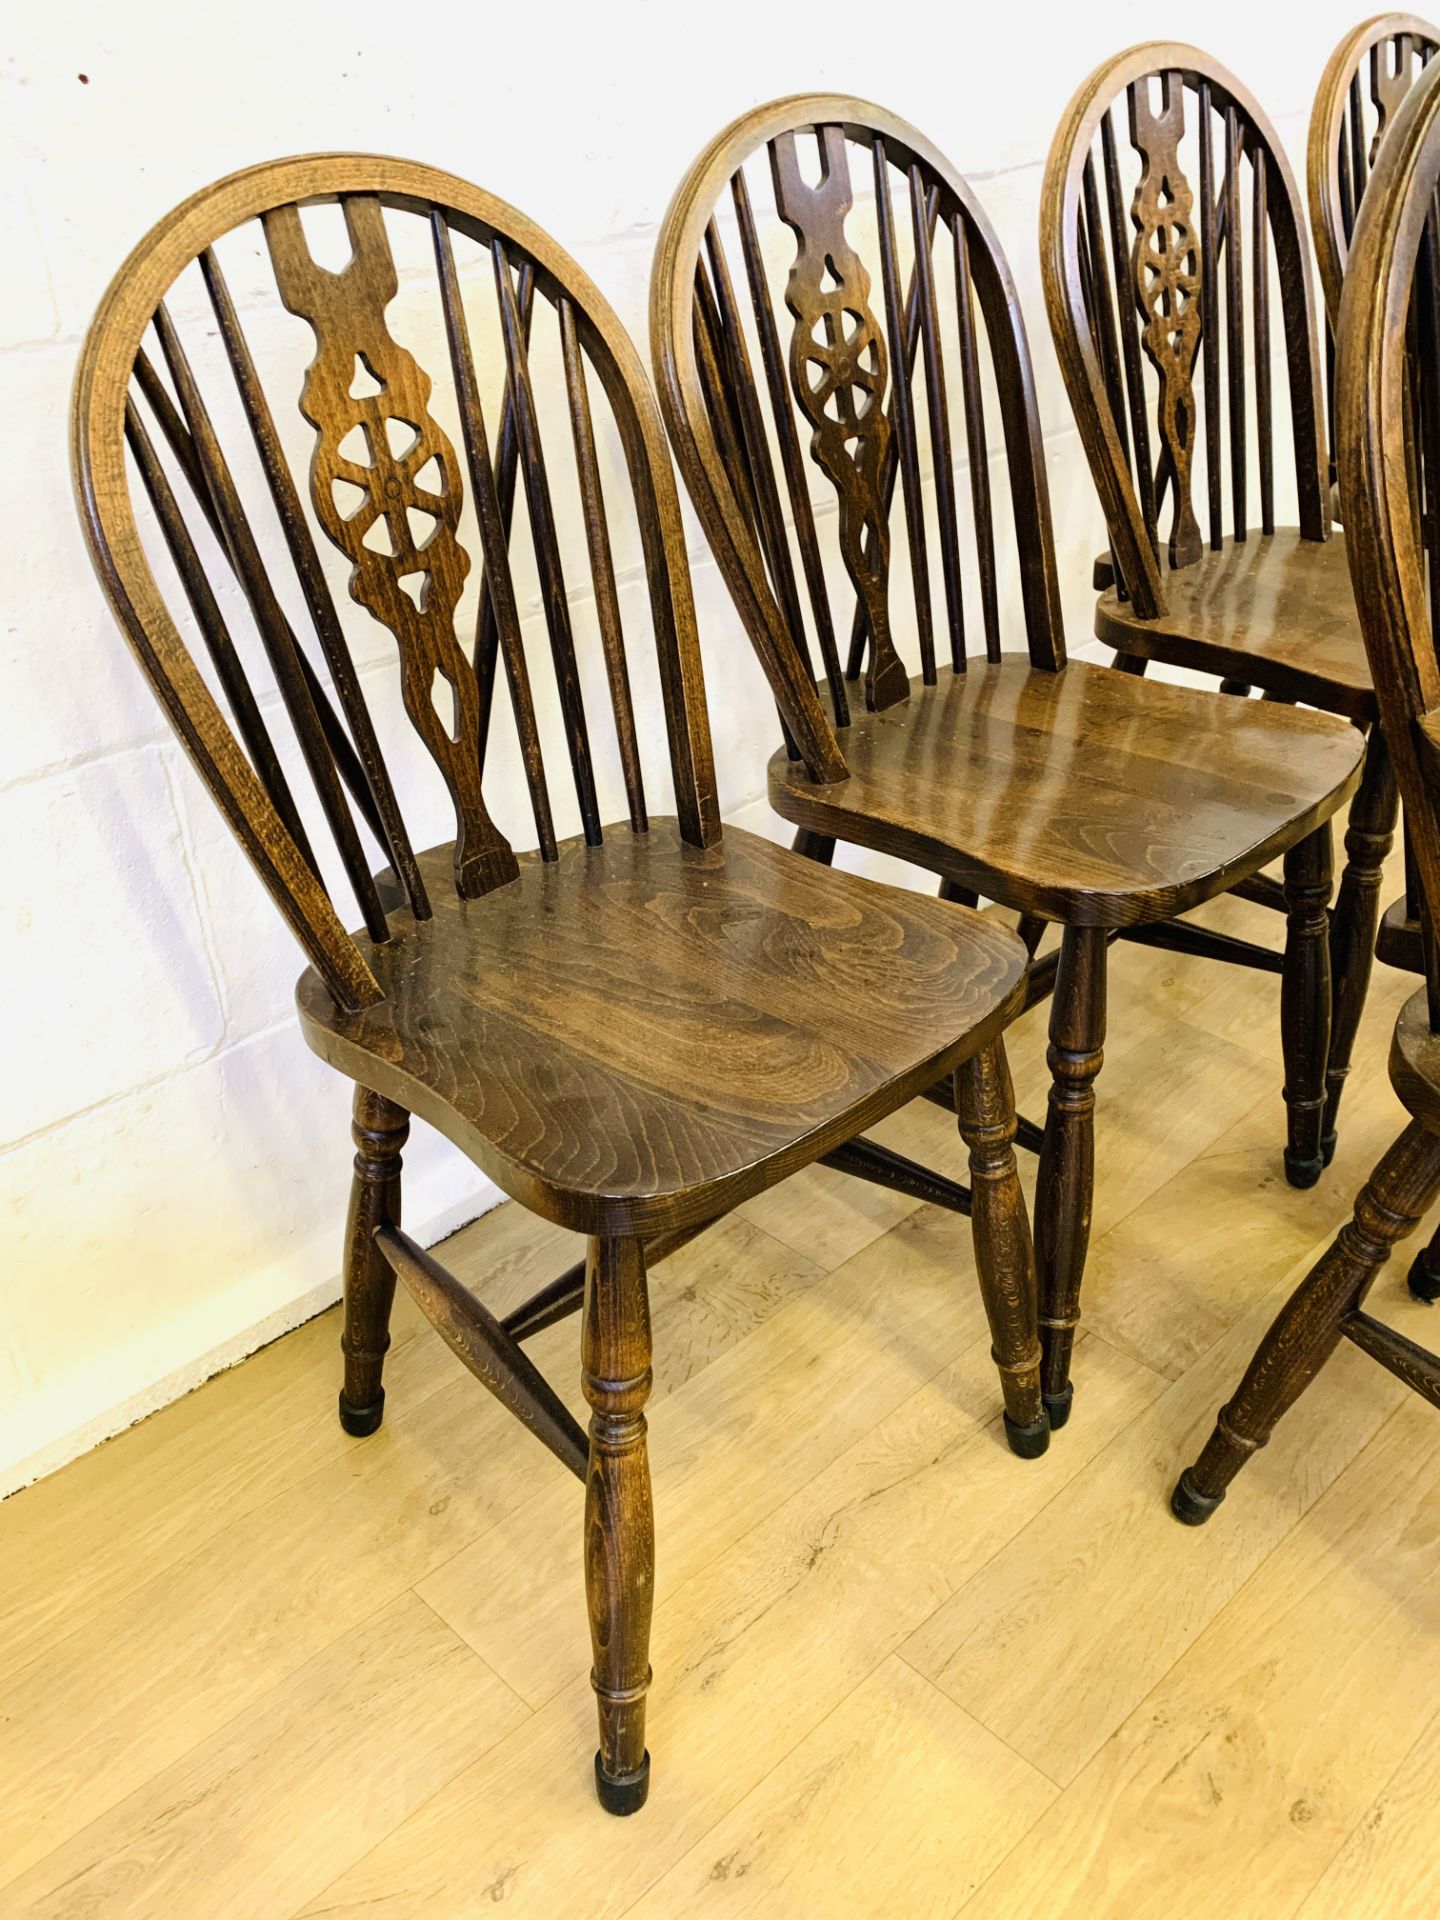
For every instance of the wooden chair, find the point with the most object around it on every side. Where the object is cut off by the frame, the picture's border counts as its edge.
(1072, 794)
(1353, 112)
(1388, 437)
(1349, 120)
(1267, 607)
(628, 1030)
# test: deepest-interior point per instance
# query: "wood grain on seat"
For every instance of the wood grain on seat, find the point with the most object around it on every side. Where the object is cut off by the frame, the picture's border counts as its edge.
(1275, 610)
(640, 1034)
(1087, 796)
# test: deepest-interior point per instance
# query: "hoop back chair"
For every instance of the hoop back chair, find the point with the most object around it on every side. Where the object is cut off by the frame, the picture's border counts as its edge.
(1365, 82)
(1360, 91)
(629, 1029)
(1063, 791)
(1167, 245)
(1388, 421)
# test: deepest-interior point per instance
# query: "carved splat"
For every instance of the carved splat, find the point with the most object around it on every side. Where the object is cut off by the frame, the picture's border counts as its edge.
(1389, 83)
(1165, 266)
(386, 488)
(838, 367)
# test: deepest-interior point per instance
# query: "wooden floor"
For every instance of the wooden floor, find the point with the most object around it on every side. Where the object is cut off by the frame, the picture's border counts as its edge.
(250, 1667)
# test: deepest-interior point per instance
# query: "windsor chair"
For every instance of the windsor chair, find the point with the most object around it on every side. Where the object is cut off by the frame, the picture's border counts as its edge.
(1388, 427)
(1138, 329)
(1347, 125)
(1069, 793)
(629, 1030)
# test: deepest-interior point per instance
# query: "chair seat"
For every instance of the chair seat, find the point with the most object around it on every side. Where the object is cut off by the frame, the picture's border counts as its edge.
(1415, 1061)
(1090, 796)
(637, 1036)
(1275, 611)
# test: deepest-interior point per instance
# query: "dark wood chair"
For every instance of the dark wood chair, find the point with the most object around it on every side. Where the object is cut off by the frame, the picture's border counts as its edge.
(1072, 794)
(1388, 440)
(1159, 346)
(1364, 82)
(630, 1030)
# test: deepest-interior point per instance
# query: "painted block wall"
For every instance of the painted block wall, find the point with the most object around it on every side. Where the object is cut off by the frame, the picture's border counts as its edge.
(173, 1162)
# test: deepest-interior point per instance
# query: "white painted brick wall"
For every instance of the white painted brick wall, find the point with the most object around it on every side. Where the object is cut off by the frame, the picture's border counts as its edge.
(173, 1161)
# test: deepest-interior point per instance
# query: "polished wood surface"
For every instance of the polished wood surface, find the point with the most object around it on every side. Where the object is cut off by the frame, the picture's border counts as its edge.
(1276, 612)
(1365, 80)
(108, 409)
(250, 1667)
(1089, 306)
(1085, 796)
(1258, 606)
(559, 1030)
(1364, 83)
(1389, 454)
(1041, 785)
(631, 1030)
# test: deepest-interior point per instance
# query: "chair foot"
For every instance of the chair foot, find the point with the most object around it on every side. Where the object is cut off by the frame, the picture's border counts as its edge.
(1422, 1281)
(1303, 1173)
(628, 1793)
(1058, 1405)
(1028, 1442)
(1328, 1143)
(362, 1421)
(1189, 1505)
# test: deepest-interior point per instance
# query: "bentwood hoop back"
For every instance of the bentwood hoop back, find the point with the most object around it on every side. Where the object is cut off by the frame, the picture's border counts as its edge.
(1212, 196)
(1361, 90)
(854, 405)
(364, 394)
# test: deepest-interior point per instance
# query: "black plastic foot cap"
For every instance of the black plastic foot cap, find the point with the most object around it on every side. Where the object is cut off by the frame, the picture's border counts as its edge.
(1187, 1503)
(361, 1421)
(1327, 1148)
(1058, 1405)
(628, 1793)
(1424, 1284)
(1302, 1173)
(1028, 1442)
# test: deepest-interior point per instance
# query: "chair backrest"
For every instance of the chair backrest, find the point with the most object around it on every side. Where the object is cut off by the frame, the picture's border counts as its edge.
(1365, 80)
(853, 184)
(1136, 309)
(225, 544)
(1388, 444)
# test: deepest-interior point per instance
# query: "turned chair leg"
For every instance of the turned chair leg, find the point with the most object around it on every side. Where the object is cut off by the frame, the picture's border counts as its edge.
(1369, 836)
(1004, 1253)
(1423, 1278)
(1066, 1180)
(814, 846)
(619, 1519)
(379, 1129)
(1307, 1329)
(1305, 1006)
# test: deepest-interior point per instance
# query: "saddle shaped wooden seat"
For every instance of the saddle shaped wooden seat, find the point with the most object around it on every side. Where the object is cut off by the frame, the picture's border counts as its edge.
(1084, 797)
(1388, 447)
(636, 1036)
(1067, 792)
(632, 1027)
(1166, 191)
(1274, 611)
